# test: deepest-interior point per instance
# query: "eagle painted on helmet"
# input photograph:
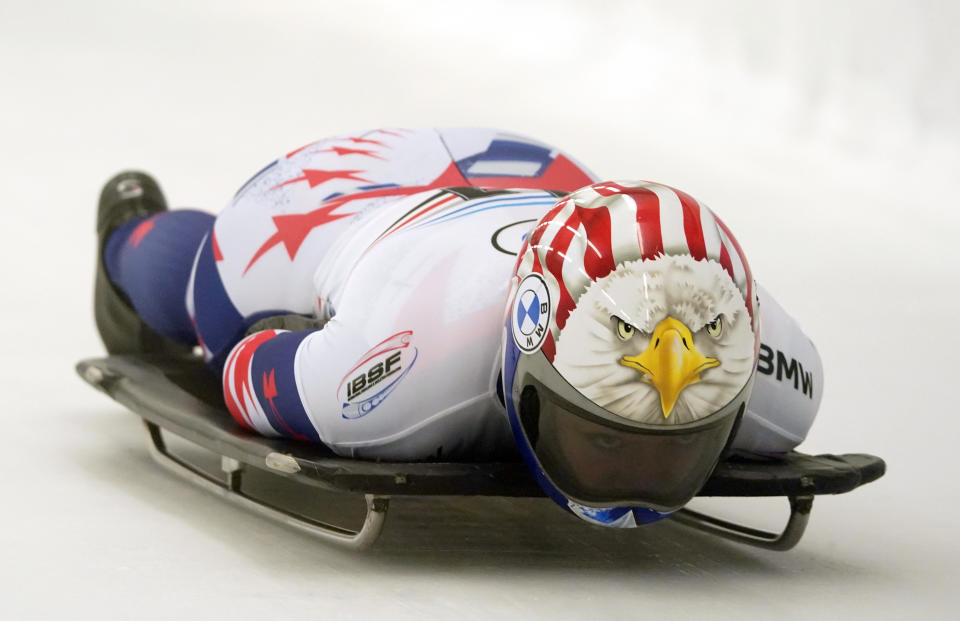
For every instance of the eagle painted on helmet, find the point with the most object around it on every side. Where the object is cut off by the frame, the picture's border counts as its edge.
(654, 315)
(675, 348)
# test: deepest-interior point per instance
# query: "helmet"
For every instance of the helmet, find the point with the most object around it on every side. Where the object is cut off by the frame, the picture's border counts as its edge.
(630, 343)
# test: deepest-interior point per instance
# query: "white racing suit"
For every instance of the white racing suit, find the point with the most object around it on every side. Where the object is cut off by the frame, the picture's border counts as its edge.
(401, 244)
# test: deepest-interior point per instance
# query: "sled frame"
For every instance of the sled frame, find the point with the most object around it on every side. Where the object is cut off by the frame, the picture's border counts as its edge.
(174, 396)
(800, 507)
(230, 488)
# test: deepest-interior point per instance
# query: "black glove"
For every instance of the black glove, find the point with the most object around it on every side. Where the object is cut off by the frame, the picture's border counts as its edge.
(285, 322)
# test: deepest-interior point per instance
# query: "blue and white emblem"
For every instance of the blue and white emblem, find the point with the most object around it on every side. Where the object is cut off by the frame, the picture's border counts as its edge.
(531, 313)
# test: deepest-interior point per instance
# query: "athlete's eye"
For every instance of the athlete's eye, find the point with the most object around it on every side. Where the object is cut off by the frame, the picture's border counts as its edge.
(624, 330)
(715, 327)
(604, 441)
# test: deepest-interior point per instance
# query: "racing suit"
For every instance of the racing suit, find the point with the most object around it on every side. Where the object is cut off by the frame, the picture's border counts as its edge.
(399, 245)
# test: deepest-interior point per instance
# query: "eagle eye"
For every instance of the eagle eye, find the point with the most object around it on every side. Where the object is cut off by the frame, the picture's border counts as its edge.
(624, 330)
(715, 327)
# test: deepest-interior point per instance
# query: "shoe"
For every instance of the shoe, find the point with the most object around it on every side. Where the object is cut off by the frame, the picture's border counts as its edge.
(128, 195)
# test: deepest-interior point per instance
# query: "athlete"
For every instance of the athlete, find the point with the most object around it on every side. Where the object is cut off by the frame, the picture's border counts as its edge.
(467, 293)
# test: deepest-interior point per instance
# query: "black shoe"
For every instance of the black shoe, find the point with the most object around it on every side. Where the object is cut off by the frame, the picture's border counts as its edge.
(126, 196)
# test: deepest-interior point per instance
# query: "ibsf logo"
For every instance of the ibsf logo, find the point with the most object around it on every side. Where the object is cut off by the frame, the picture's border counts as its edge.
(376, 375)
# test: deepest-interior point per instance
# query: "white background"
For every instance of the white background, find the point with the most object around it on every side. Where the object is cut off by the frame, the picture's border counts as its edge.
(826, 134)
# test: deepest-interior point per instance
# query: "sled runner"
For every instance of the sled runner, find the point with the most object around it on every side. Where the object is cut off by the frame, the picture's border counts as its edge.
(180, 396)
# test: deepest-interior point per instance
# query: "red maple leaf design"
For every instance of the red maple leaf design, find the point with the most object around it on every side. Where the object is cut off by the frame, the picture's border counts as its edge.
(316, 177)
(356, 140)
(270, 386)
(292, 229)
(341, 151)
(270, 392)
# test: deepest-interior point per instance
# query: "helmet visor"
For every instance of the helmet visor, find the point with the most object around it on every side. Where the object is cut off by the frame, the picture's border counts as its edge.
(597, 461)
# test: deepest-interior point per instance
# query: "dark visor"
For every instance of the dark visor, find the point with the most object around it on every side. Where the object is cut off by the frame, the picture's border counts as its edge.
(599, 462)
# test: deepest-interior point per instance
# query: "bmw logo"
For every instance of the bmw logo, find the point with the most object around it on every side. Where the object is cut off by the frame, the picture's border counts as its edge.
(531, 313)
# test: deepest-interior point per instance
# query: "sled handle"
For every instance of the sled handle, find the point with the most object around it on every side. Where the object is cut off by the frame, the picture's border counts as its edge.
(800, 507)
(231, 488)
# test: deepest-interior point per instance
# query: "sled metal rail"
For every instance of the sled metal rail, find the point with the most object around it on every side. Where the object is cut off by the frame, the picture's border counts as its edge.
(181, 397)
(231, 489)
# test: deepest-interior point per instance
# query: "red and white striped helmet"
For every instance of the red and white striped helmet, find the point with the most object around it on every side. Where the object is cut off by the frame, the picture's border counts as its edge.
(591, 231)
(639, 299)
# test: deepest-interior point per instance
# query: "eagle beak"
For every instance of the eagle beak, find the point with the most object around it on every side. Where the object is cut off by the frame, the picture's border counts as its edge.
(670, 362)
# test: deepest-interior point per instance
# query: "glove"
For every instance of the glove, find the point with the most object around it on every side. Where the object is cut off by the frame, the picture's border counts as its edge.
(289, 322)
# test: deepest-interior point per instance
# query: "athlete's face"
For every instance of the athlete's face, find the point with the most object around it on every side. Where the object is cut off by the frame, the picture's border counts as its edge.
(611, 461)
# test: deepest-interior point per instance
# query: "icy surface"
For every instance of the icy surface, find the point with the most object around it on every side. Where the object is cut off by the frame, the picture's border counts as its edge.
(826, 135)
